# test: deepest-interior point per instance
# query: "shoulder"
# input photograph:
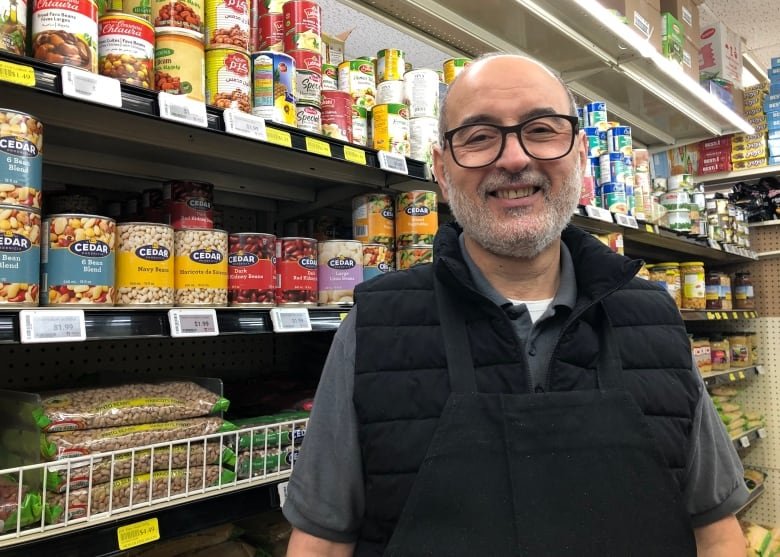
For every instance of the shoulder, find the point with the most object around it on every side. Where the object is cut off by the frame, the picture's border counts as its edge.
(414, 278)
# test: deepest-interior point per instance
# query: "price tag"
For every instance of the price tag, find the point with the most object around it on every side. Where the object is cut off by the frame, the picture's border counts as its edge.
(626, 220)
(392, 162)
(318, 147)
(598, 213)
(290, 320)
(744, 442)
(278, 137)
(760, 370)
(358, 156)
(182, 109)
(732, 377)
(195, 322)
(17, 74)
(651, 229)
(343, 315)
(761, 433)
(52, 325)
(139, 533)
(710, 315)
(87, 86)
(741, 375)
(717, 316)
(244, 125)
(753, 315)
(282, 490)
(724, 315)
(713, 244)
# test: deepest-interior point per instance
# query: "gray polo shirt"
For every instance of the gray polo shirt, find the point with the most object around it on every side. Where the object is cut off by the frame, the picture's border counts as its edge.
(325, 496)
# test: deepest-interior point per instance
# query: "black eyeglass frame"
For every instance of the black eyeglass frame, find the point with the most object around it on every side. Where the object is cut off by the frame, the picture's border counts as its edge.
(516, 129)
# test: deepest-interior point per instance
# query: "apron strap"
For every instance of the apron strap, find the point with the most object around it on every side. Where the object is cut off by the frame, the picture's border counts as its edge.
(456, 341)
(609, 373)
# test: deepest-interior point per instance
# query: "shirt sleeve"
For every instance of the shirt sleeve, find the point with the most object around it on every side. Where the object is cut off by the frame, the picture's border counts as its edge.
(325, 495)
(715, 485)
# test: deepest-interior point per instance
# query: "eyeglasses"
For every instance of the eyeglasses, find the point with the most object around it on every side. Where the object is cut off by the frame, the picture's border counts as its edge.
(543, 138)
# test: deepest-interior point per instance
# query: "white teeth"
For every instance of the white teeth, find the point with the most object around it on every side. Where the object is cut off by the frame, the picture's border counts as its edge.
(514, 194)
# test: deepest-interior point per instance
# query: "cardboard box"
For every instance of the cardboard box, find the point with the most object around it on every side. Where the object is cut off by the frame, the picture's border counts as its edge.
(690, 61)
(687, 13)
(724, 93)
(643, 16)
(715, 168)
(716, 143)
(720, 53)
(752, 163)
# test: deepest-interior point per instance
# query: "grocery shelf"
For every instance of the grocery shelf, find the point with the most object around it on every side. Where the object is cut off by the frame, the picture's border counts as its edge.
(713, 181)
(717, 315)
(746, 438)
(716, 378)
(755, 494)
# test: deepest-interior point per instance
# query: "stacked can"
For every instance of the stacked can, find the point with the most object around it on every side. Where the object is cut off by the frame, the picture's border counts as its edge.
(421, 94)
(296, 271)
(453, 67)
(266, 33)
(308, 85)
(251, 269)
(417, 220)
(62, 32)
(390, 115)
(340, 269)
(274, 87)
(356, 77)
(228, 75)
(126, 49)
(373, 223)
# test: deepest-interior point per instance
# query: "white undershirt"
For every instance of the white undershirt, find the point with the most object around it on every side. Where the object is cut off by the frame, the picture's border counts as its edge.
(535, 309)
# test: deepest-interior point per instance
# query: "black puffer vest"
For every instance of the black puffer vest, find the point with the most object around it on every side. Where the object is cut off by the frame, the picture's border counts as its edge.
(401, 380)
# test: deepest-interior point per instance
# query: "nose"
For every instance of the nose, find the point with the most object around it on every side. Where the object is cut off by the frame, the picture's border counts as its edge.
(513, 158)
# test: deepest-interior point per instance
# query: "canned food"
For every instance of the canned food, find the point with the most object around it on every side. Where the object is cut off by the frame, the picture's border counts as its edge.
(613, 168)
(359, 125)
(308, 76)
(228, 80)
(613, 197)
(144, 267)
(20, 255)
(251, 269)
(423, 135)
(330, 78)
(13, 26)
(411, 256)
(597, 115)
(302, 25)
(138, 8)
(64, 33)
(390, 92)
(189, 204)
(390, 66)
(274, 87)
(417, 218)
(676, 200)
(271, 28)
(453, 67)
(21, 149)
(308, 118)
(296, 271)
(390, 128)
(126, 49)
(263, 7)
(337, 115)
(357, 78)
(374, 260)
(679, 220)
(421, 93)
(201, 277)
(227, 23)
(180, 63)
(340, 269)
(619, 140)
(373, 219)
(187, 14)
(78, 260)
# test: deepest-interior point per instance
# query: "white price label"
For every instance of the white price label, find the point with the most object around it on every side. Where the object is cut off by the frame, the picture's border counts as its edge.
(626, 220)
(178, 108)
(598, 213)
(282, 490)
(87, 86)
(53, 325)
(744, 442)
(193, 322)
(290, 320)
(713, 244)
(244, 125)
(392, 162)
(761, 433)
(760, 370)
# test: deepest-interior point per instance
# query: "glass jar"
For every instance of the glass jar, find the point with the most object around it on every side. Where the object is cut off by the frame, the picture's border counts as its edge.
(668, 276)
(712, 290)
(702, 354)
(643, 273)
(693, 285)
(740, 351)
(743, 292)
(720, 353)
(725, 291)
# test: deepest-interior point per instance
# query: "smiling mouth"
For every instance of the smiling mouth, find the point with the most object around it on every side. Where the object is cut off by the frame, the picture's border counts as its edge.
(514, 194)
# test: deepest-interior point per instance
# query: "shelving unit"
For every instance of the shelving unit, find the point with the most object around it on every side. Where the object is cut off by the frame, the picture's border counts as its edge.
(716, 378)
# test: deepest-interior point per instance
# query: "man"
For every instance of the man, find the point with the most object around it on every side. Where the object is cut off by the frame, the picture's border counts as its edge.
(524, 394)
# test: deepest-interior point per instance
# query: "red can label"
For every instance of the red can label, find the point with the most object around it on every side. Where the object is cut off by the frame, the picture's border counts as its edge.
(337, 115)
(307, 60)
(302, 25)
(271, 31)
(296, 271)
(251, 269)
(189, 204)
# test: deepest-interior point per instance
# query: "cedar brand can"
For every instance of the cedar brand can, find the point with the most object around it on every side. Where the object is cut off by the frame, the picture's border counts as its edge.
(228, 79)
(337, 115)
(374, 260)
(273, 75)
(453, 67)
(201, 267)
(77, 260)
(340, 269)
(359, 125)
(390, 128)
(373, 219)
(308, 76)
(390, 92)
(126, 49)
(251, 269)
(410, 256)
(357, 78)
(417, 218)
(296, 271)
(65, 32)
(144, 264)
(138, 8)
(186, 14)
(421, 93)
(302, 25)
(20, 255)
(330, 78)
(423, 135)
(13, 26)
(21, 153)
(189, 204)
(308, 118)
(271, 28)
(179, 62)
(390, 65)
(227, 23)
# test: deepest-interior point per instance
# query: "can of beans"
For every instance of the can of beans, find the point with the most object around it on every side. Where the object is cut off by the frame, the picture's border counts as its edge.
(201, 268)
(296, 271)
(189, 204)
(337, 115)
(77, 260)
(186, 14)
(421, 93)
(180, 62)
(390, 92)
(411, 256)
(330, 78)
(126, 49)
(340, 265)
(64, 33)
(423, 135)
(144, 264)
(138, 8)
(359, 125)
(20, 255)
(356, 77)
(390, 65)
(271, 30)
(302, 25)
(308, 76)
(227, 23)
(251, 269)
(21, 158)
(228, 80)
(390, 128)
(374, 260)
(273, 76)
(417, 218)
(308, 118)
(13, 32)
(453, 67)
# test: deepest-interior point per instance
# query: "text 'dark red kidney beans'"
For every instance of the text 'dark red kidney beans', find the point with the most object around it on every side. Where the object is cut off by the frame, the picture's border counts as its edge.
(296, 271)
(251, 269)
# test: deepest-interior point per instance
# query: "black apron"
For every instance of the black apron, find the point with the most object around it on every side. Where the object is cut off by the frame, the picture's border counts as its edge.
(541, 475)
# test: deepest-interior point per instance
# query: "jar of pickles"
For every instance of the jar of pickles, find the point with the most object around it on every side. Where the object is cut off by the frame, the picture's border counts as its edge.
(693, 285)
(721, 353)
(668, 276)
(743, 292)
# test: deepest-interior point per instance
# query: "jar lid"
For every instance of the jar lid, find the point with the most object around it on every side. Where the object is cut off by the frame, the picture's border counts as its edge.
(692, 264)
(667, 264)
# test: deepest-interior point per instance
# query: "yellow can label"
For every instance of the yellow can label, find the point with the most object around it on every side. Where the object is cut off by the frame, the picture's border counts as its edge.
(390, 126)
(373, 218)
(203, 268)
(390, 65)
(417, 218)
(453, 67)
(147, 266)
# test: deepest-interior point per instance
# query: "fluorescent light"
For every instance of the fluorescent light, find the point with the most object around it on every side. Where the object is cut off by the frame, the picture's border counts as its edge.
(748, 79)
(754, 68)
(624, 32)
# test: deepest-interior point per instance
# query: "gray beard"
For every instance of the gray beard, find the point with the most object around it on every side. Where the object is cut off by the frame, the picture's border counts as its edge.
(524, 236)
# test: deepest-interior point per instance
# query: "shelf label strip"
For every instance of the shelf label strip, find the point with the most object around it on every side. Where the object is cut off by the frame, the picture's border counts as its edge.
(318, 147)
(17, 74)
(244, 125)
(182, 109)
(193, 322)
(87, 86)
(138, 533)
(279, 137)
(392, 162)
(52, 325)
(290, 320)
(598, 213)
(358, 156)
(626, 220)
